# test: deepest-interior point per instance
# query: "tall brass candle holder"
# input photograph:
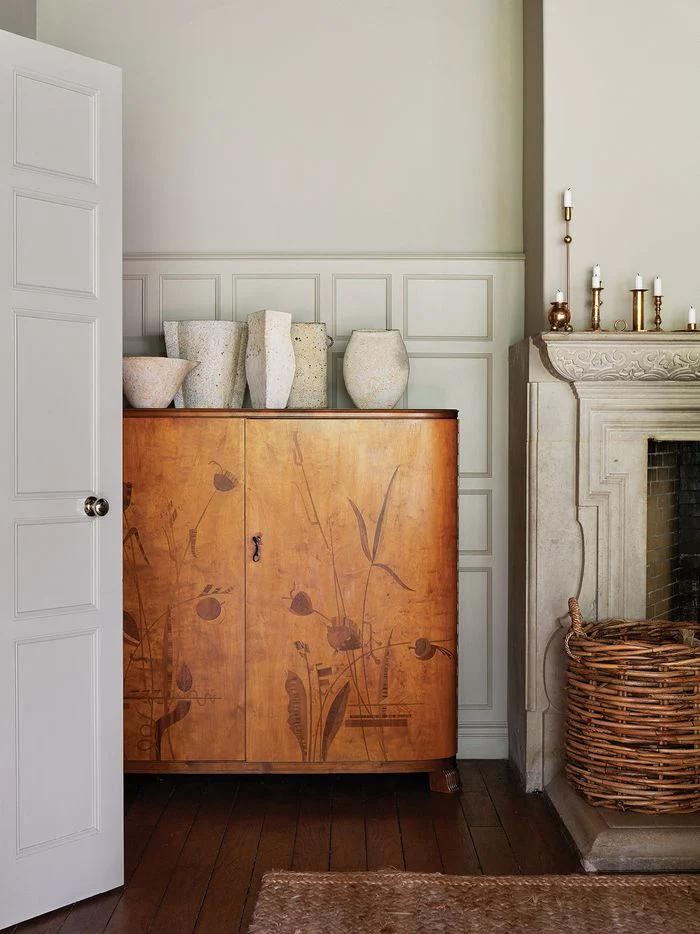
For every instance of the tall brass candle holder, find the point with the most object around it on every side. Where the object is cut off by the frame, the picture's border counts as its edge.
(658, 300)
(596, 302)
(638, 309)
(567, 243)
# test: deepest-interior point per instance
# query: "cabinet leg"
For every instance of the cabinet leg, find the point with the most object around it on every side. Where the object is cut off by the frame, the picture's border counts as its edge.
(446, 781)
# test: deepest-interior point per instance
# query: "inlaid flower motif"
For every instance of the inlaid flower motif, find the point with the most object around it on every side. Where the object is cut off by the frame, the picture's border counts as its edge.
(208, 608)
(344, 637)
(301, 604)
(224, 481)
(425, 649)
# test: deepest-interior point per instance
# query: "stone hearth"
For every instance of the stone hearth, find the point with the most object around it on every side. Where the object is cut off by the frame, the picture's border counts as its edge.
(582, 410)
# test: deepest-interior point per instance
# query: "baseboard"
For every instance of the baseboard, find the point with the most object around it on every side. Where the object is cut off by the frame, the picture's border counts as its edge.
(482, 741)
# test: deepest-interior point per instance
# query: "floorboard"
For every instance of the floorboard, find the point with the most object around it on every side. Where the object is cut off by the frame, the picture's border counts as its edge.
(348, 837)
(197, 847)
(142, 895)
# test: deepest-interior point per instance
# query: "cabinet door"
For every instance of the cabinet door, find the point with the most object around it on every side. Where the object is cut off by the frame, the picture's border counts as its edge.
(351, 607)
(184, 690)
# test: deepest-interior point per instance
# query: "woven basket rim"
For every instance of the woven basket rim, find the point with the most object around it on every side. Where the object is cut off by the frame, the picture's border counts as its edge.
(599, 638)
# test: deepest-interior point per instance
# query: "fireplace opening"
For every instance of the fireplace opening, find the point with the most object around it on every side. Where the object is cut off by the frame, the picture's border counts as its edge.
(673, 530)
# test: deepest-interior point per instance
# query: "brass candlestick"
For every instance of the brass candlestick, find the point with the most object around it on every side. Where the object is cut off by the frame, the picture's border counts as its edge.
(658, 299)
(638, 309)
(559, 317)
(692, 327)
(596, 302)
(567, 242)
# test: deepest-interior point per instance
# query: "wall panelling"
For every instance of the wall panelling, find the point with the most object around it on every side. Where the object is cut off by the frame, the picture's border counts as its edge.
(458, 315)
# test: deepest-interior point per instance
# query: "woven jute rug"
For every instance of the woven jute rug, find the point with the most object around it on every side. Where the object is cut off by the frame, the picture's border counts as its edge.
(407, 902)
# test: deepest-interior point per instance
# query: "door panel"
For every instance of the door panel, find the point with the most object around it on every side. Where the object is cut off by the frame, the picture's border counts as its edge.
(184, 687)
(61, 805)
(351, 609)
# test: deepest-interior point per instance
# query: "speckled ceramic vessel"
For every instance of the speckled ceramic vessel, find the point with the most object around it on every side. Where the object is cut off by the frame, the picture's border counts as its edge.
(375, 368)
(269, 362)
(219, 346)
(310, 386)
(151, 382)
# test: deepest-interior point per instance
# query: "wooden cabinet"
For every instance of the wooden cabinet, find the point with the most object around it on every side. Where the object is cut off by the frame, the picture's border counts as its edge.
(290, 595)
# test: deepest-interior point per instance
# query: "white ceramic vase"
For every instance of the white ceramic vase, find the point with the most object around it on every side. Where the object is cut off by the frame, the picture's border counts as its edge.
(151, 382)
(269, 362)
(310, 385)
(376, 368)
(219, 346)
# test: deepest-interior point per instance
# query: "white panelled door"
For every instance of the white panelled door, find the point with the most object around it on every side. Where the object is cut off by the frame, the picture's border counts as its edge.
(60, 412)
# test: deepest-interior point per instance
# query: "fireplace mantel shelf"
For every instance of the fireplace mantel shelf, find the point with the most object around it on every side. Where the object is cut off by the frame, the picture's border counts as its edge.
(646, 356)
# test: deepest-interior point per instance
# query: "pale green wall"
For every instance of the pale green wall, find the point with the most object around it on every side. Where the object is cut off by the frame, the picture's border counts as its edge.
(620, 126)
(313, 125)
(19, 16)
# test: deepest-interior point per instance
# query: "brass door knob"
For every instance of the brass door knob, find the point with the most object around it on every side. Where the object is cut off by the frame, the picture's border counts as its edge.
(96, 507)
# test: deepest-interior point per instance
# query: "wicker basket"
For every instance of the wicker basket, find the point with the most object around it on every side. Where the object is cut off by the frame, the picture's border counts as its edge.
(633, 720)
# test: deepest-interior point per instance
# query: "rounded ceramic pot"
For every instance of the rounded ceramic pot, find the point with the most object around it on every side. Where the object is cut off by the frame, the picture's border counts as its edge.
(375, 368)
(151, 382)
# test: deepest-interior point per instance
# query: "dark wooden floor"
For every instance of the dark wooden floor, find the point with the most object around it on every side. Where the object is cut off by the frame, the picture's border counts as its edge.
(197, 848)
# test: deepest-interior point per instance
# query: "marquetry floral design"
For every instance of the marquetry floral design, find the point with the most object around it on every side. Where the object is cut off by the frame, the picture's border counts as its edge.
(351, 686)
(166, 683)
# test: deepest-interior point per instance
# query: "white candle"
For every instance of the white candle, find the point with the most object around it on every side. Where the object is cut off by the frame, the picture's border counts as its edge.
(657, 286)
(595, 278)
(638, 282)
(559, 297)
(691, 315)
(568, 199)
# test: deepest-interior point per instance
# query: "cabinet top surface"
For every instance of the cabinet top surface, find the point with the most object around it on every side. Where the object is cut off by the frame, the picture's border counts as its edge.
(291, 413)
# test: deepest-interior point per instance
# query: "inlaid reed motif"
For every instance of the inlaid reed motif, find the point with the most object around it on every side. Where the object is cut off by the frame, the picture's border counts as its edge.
(351, 686)
(160, 684)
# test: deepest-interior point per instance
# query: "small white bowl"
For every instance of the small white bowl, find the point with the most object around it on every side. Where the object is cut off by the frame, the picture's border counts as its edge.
(151, 382)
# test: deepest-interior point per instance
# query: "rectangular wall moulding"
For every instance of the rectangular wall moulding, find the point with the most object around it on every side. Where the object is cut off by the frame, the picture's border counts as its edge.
(54, 244)
(44, 108)
(189, 298)
(134, 298)
(475, 522)
(458, 381)
(360, 301)
(448, 308)
(475, 638)
(297, 295)
(54, 404)
(55, 566)
(56, 744)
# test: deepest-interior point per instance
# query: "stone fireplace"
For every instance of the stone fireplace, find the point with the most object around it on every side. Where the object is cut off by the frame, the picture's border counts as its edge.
(604, 458)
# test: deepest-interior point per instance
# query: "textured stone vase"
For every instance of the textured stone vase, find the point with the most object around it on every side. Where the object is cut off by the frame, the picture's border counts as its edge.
(151, 382)
(310, 385)
(375, 368)
(269, 362)
(219, 346)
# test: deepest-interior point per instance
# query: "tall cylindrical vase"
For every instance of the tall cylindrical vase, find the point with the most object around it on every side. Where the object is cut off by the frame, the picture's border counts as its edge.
(376, 368)
(219, 346)
(310, 386)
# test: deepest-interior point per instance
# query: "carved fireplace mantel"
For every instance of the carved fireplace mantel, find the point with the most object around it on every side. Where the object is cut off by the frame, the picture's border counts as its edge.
(646, 356)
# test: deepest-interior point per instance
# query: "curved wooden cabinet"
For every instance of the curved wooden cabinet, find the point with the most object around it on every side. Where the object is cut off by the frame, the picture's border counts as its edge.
(290, 590)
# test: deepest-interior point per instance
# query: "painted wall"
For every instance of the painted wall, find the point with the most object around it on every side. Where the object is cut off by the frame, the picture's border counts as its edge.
(621, 87)
(312, 125)
(355, 163)
(19, 16)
